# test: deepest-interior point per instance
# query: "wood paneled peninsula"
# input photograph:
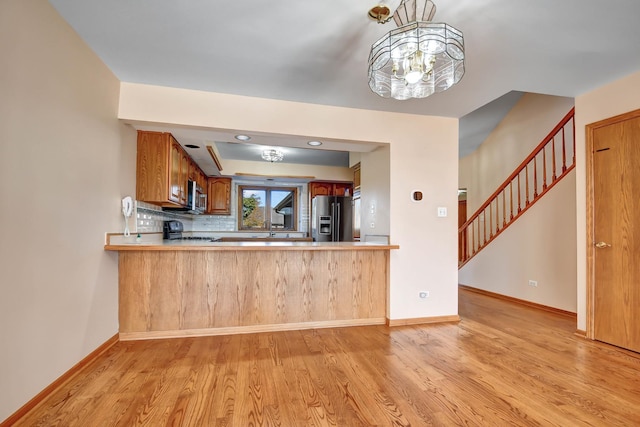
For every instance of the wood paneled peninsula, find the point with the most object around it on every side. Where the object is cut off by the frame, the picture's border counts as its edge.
(180, 288)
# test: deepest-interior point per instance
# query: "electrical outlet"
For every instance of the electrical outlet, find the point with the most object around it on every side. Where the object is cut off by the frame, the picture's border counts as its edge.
(533, 283)
(424, 294)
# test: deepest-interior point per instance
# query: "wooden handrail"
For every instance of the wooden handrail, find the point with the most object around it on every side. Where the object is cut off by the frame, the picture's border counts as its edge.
(533, 190)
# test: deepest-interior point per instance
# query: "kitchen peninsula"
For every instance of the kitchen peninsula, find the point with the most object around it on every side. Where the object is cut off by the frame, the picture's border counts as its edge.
(174, 289)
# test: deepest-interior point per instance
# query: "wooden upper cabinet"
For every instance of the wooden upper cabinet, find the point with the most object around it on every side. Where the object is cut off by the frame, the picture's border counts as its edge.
(162, 170)
(201, 179)
(193, 171)
(219, 196)
(196, 174)
(184, 176)
(343, 189)
(356, 178)
(175, 173)
(330, 188)
(321, 189)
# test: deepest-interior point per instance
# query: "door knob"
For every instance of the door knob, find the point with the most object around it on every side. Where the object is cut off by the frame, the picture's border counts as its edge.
(602, 245)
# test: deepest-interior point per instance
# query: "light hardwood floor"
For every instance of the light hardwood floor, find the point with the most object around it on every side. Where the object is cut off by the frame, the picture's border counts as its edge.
(503, 364)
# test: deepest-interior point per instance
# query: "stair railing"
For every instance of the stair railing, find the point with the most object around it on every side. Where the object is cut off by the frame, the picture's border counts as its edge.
(538, 173)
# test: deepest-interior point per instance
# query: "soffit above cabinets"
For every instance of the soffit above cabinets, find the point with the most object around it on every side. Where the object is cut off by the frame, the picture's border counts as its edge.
(297, 151)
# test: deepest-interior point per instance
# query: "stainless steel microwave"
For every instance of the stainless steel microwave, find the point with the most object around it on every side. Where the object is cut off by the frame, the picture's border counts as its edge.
(196, 200)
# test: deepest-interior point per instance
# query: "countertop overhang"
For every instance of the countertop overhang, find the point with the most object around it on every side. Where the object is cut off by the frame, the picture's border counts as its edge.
(181, 245)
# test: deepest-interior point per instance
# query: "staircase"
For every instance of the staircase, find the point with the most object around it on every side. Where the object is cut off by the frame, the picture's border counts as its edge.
(547, 164)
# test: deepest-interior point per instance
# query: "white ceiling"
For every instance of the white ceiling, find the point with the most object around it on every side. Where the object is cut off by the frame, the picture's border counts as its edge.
(317, 52)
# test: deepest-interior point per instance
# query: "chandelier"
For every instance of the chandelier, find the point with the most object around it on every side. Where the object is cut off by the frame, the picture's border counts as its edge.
(417, 59)
(272, 155)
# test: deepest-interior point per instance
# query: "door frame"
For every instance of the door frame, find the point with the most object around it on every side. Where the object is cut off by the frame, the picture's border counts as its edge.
(589, 134)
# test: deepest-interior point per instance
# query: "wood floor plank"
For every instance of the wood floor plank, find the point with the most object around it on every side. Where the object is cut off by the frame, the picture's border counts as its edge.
(502, 364)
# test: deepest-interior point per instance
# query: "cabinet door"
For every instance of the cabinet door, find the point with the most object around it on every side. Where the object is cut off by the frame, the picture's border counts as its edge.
(342, 189)
(219, 196)
(193, 171)
(356, 178)
(184, 176)
(175, 174)
(152, 167)
(330, 188)
(320, 189)
(202, 180)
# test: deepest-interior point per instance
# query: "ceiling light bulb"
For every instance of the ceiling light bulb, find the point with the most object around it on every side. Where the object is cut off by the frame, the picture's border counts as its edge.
(416, 68)
(314, 143)
(413, 77)
(242, 137)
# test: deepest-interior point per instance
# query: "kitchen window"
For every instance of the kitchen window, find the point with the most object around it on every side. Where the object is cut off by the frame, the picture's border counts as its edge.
(267, 208)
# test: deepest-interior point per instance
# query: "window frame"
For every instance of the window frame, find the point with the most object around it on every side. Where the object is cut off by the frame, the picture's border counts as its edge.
(268, 207)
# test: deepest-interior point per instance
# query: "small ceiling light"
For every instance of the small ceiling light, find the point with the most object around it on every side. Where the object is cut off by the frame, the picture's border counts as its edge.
(419, 58)
(242, 137)
(314, 143)
(272, 155)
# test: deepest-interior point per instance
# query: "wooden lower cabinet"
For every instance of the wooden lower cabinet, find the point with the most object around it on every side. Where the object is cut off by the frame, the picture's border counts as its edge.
(179, 293)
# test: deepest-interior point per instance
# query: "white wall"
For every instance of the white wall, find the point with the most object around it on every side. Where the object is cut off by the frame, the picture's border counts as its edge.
(374, 202)
(521, 130)
(541, 244)
(64, 166)
(607, 101)
(423, 155)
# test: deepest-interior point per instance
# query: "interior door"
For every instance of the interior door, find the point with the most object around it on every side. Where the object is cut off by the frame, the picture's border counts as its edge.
(616, 215)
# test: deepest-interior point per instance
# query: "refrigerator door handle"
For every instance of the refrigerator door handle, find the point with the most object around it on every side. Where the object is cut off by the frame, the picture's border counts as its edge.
(333, 221)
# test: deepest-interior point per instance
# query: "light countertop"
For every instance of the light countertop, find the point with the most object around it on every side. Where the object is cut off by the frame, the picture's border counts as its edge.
(191, 245)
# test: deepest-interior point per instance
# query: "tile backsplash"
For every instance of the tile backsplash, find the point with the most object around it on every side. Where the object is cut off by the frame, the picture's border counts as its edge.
(149, 218)
(214, 223)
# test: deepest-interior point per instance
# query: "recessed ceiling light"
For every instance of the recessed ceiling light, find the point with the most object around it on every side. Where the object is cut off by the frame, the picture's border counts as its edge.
(242, 137)
(314, 143)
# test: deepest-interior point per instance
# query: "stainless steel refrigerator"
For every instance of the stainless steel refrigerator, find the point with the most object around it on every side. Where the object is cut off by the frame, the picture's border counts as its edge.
(332, 219)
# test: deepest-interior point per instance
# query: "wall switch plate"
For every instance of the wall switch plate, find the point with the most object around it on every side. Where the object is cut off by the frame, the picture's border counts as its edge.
(533, 283)
(442, 212)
